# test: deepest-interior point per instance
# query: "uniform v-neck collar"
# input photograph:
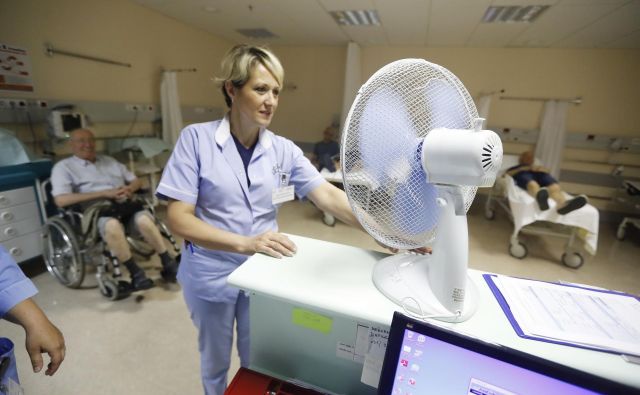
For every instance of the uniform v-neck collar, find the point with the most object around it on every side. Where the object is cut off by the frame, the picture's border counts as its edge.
(224, 132)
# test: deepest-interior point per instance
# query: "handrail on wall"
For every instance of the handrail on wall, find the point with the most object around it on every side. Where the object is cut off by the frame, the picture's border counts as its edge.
(50, 51)
(576, 100)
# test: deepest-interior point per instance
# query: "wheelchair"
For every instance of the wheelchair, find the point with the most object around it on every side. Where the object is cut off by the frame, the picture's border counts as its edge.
(67, 250)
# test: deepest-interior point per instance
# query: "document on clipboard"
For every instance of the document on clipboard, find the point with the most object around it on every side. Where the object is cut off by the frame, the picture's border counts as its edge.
(570, 314)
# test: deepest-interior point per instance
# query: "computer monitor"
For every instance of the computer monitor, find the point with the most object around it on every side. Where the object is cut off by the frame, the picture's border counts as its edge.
(425, 359)
(62, 122)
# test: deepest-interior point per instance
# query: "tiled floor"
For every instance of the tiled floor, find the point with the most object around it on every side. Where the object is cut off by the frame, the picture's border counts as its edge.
(149, 346)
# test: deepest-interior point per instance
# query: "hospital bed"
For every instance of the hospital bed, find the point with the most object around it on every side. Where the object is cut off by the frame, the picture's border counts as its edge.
(629, 196)
(579, 228)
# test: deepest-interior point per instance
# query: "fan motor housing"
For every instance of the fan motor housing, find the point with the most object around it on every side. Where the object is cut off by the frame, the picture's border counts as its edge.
(462, 157)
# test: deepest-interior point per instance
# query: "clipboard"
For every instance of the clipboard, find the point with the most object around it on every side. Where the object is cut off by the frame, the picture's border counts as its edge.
(514, 323)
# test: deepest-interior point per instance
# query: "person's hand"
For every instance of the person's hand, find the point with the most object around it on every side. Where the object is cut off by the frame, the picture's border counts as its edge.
(273, 244)
(125, 192)
(44, 337)
(111, 193)
(420, 251)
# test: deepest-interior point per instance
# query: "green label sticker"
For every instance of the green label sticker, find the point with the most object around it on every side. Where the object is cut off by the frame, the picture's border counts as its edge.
(311, 320)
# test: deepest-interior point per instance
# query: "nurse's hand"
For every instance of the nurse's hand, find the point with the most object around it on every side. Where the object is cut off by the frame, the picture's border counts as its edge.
(419, 251)
(273, 244)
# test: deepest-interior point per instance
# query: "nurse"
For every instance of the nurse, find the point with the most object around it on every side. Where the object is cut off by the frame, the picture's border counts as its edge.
(225, 181)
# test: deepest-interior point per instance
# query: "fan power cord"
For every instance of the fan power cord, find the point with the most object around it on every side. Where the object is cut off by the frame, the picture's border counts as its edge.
(422, 316)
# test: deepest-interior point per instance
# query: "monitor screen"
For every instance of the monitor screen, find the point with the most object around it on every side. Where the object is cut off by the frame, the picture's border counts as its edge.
(425, 359)
(71, 121)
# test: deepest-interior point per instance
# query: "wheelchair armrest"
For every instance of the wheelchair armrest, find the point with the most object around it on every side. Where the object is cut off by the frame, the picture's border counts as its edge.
(142, 191)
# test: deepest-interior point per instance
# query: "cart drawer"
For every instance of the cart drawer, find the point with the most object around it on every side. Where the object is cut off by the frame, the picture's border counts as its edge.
(15, 197)
(17, 229)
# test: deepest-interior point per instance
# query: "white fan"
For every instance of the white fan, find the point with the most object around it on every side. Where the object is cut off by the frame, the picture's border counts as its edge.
(412, 158)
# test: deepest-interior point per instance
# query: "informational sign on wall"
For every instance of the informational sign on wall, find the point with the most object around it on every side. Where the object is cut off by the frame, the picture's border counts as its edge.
(15, 69)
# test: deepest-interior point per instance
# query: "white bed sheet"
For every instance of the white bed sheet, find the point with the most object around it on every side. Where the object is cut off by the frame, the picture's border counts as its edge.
(525, 211)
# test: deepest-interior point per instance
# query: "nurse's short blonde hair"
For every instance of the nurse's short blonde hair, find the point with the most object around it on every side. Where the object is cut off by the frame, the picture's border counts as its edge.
(239, 62)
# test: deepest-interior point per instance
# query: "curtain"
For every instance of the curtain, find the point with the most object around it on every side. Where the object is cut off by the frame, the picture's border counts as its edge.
(170, 106)
(552, 136)
(484, 104)
(352, 79)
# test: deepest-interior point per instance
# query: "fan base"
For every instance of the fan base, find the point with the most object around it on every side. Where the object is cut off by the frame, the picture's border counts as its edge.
(404, 279)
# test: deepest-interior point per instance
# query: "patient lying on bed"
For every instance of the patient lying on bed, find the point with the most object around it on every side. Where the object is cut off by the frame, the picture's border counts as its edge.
(541, 185)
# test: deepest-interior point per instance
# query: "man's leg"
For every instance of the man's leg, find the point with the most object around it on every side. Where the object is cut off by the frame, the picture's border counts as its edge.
(566, 206)
(147, 227)
(563, 206)
(541, 194)
(556, 194)
(112, 232)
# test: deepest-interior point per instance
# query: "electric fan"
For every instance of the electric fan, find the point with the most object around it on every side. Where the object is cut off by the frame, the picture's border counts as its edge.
(413, 154)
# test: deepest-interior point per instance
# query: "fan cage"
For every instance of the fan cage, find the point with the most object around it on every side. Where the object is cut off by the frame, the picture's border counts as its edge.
(393, 111)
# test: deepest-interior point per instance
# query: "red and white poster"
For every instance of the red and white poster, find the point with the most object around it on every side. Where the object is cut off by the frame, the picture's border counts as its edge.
(15, 69)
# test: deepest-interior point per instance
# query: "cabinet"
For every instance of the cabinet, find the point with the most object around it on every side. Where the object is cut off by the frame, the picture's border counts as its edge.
(22, 211)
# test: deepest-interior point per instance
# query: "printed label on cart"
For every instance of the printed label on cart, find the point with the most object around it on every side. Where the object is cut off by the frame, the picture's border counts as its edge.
(311, 320)
(282, 195)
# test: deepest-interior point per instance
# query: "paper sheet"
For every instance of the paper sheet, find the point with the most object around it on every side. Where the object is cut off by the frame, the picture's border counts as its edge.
(587, 317)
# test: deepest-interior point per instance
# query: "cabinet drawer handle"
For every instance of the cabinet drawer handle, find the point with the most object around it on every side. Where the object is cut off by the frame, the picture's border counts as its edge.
(4, 199)
(7, 216)
(15, 251)
(10, 231)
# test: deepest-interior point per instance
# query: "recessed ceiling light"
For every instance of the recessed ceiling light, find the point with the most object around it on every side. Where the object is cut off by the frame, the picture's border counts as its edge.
(513, 14)
(210, 8)
(356, 17)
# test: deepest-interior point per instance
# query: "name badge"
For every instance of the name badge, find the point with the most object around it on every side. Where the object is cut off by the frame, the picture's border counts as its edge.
(282, 195)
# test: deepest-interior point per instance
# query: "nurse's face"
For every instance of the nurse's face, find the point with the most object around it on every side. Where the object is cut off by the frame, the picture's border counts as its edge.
(257, 100)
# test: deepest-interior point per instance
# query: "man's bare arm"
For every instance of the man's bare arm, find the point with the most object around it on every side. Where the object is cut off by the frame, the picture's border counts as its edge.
(68, 199)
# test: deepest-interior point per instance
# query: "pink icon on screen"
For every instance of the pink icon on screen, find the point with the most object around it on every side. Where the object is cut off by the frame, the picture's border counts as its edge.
(404, 362)
(412, 381)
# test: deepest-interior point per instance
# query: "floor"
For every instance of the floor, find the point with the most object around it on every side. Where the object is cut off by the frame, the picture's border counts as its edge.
(149, 346)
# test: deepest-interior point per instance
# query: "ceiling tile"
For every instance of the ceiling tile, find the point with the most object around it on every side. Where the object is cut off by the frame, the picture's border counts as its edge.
(404, 21)
(630, 41)
(611, 27)
(307, 22)
(558, 22)
(367, 35)
(451, 23)
(495, 34)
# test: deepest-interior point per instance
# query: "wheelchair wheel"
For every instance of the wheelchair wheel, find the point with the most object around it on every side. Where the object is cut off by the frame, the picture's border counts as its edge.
(115, 291)
(61, 253)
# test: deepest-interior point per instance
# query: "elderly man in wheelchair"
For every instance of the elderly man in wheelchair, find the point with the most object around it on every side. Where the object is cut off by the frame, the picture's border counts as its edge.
(97, 199)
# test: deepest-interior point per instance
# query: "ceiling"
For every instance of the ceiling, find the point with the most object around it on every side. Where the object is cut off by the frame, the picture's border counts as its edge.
(429, 23)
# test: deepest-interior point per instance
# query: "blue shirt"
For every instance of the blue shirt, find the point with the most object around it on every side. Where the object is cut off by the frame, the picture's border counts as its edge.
(14, 285)
(245, 155)
(75, 175)
(206, 170)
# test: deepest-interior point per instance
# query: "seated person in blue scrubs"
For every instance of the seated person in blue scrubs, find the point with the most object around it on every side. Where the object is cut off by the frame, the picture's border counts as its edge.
(541, 185)
(327, 151)
(17, 306)
(87, 177)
